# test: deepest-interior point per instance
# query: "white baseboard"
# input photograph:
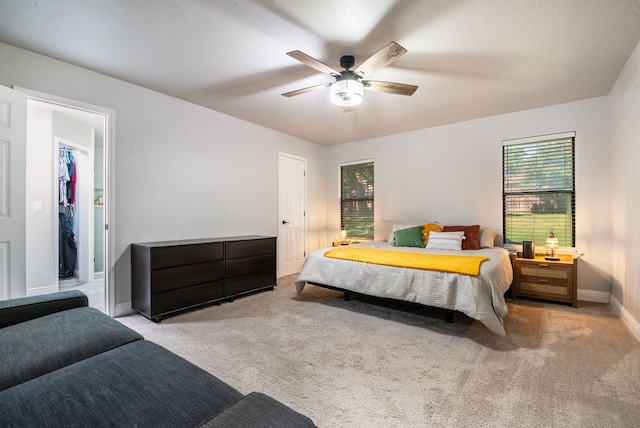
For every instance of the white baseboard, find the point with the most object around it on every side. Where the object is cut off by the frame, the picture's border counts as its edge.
(594, 296)
(41, 290)
(616, 306)
(632, 324)
(123, 309)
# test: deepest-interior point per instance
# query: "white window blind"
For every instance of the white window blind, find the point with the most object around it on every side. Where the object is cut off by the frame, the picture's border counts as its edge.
(539, 190)
(356, 199)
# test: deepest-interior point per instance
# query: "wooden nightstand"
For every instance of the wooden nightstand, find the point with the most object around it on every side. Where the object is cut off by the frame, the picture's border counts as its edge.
(342, 244)
(547, 279)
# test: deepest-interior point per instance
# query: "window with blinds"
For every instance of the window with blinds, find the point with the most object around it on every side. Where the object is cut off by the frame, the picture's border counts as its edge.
(539, 190)
(356, 199)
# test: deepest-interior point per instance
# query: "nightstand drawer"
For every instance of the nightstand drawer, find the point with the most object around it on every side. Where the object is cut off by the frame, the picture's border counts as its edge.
(545, 270)
(527, 287)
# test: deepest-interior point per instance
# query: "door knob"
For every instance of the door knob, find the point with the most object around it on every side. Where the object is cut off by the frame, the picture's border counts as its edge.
(285, 222)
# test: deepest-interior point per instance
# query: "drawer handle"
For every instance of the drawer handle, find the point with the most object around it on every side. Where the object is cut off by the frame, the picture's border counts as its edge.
(543, 264)
(543, 280)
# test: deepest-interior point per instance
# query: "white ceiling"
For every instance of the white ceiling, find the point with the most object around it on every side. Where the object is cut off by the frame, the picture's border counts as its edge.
(470, 58)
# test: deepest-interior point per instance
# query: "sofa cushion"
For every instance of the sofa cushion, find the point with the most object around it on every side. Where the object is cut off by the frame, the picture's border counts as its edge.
(42, 345)
(15, 311)
(139, 384)
(257, 410)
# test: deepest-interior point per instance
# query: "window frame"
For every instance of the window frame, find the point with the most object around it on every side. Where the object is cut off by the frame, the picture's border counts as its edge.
(366, 199)
(541, 193)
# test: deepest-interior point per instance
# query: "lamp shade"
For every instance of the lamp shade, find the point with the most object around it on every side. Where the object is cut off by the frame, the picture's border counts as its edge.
(347, 92)
(343, 235)
(552, 244)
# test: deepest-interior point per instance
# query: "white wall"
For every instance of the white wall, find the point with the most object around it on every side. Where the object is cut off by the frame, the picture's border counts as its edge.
(182, 171)
(624, 110)
(453, 174)
(41, 266)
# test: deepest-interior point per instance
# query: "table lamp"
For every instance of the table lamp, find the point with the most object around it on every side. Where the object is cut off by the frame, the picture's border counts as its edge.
(343, 236)
(551, 244)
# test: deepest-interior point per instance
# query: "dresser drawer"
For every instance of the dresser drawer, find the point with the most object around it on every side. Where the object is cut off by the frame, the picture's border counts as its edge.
(180, 255)
(185, 276)
(185, 297)
(248, 265)
(245, 283)
(254, 247)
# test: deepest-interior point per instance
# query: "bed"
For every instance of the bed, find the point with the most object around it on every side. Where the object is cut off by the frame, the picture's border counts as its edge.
(480, 297)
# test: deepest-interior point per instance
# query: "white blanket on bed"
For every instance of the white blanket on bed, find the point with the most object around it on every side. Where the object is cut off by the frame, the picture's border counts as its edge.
(481, 297)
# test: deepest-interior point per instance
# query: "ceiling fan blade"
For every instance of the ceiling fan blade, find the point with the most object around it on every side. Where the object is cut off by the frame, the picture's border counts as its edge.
(385, 56)
(305, 90)
(390, 87)
(313, 63)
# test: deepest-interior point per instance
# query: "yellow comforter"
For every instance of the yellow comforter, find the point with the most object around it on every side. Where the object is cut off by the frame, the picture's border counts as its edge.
(467, 265)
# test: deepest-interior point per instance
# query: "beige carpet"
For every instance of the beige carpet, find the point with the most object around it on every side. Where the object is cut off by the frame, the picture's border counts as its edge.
(358, 364)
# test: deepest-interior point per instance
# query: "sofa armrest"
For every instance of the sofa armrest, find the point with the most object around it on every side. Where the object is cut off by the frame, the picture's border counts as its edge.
(257, 410)
(23, 309)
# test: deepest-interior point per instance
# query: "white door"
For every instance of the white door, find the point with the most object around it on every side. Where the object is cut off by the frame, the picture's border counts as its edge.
(292, 207)
(13, 126)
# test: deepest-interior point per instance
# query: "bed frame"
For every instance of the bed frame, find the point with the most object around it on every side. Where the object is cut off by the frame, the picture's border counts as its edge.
(448, 313)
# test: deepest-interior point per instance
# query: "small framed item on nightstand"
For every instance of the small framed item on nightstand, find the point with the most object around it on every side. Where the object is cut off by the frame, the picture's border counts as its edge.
(528, 249)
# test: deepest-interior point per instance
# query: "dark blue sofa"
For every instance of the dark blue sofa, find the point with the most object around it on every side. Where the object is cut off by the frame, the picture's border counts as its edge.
(64, 364)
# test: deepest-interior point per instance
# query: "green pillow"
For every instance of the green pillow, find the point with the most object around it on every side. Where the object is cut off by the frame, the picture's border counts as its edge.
(411, 237)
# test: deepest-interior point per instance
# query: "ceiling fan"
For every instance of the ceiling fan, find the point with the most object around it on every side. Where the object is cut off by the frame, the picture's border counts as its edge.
(347, 90)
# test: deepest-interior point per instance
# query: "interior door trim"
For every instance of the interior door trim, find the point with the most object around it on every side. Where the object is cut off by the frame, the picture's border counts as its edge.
(109, 183)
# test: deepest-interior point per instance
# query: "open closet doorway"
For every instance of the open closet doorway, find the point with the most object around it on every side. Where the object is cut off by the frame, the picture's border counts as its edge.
(68, 187)
(78, 200)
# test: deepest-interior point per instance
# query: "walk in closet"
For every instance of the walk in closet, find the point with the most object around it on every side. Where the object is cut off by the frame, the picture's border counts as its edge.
(67, 221)
(76, 213)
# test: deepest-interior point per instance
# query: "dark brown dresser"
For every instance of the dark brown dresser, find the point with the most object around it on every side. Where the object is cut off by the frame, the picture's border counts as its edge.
(172, 276)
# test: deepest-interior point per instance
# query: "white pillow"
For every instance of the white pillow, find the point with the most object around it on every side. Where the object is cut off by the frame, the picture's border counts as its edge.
(487, 238)
(398, 227)
(445, 241)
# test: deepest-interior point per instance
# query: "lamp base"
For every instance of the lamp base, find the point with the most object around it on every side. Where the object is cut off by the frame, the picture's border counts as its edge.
(552, 258)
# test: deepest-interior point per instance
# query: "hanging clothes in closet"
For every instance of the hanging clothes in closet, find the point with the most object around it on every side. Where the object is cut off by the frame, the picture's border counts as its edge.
(68, 251)
(67, 179)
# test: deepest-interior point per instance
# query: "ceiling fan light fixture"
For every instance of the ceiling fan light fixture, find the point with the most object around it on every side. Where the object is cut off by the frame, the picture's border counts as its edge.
(347, 92)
